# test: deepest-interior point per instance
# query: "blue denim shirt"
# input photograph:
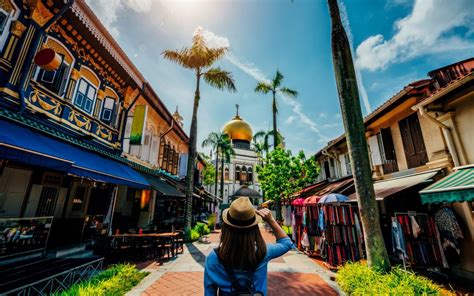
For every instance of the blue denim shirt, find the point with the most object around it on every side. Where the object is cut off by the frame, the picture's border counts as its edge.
(215, 275)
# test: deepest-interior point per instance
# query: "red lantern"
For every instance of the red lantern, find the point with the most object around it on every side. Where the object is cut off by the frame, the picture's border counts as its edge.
(47, 59)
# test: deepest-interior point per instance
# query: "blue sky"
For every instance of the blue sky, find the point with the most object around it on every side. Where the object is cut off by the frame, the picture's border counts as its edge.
(394, 43)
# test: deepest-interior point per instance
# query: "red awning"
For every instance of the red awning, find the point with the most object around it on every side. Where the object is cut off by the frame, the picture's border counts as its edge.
(299, 202)
(312, 200)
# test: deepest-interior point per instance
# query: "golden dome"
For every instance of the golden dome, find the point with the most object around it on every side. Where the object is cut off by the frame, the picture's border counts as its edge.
(237, 129)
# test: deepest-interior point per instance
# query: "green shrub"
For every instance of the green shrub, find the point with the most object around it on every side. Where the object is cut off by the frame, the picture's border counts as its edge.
(287, 229)
(191, 235)
(212, 222)
(202, 229)
(116, 280)
(359, 279)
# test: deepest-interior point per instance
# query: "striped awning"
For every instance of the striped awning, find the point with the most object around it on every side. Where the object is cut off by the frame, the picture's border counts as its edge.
(455, 187)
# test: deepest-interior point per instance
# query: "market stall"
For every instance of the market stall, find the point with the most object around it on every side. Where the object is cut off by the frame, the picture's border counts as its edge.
(341, 232)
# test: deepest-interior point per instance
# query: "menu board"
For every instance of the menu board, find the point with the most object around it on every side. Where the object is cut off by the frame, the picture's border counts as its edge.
(22, 235)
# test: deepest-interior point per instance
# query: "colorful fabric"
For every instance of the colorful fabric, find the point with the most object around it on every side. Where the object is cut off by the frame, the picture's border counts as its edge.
(398, 240)
(415, 227)
(448, 227)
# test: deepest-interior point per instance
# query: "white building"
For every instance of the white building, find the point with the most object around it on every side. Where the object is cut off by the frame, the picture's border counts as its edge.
(241, 171)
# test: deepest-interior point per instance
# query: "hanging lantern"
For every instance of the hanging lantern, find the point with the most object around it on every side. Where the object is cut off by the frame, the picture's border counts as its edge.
(48, 60)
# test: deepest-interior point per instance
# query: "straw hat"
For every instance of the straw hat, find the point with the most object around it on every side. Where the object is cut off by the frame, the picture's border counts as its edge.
(241, 214)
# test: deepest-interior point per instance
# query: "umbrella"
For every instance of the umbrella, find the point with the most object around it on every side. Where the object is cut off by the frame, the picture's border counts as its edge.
(312, 200)
(333, 197)
(299, 202)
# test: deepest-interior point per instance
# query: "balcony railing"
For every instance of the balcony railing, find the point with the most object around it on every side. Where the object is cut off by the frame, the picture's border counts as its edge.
(41, 100)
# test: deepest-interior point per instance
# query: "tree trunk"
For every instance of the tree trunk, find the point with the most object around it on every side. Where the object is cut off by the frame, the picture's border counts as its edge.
(192, 157)
(275, 132)
(353, 123)
(279, 217)
(222, 176)
(217, 169)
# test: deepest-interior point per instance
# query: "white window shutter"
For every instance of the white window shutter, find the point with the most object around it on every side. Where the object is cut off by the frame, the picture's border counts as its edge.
(342, 162)
(183, 164)
(374, 151)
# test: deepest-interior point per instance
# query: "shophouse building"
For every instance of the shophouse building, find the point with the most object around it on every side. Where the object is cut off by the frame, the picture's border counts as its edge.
(84, 140)
(421, 151)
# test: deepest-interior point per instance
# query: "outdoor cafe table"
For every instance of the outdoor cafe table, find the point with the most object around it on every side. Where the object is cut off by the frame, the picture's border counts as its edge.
(163, 234)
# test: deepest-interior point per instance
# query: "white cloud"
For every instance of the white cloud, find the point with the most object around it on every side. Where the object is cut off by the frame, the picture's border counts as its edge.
(290, 119)
(424, 31)
(213, 40)
(140, 6)
(107, 11)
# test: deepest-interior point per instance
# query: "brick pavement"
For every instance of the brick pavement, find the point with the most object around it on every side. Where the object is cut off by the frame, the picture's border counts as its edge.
(292, 274)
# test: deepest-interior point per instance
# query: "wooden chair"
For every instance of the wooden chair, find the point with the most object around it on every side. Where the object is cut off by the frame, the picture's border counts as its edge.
(144, 247)
(179, 241)
(165, 244)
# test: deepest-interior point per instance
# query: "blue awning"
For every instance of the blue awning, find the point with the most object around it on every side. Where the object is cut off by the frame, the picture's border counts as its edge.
(27, 146)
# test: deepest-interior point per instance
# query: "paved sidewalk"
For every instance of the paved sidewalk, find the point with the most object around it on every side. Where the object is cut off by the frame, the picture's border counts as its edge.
(292, 274)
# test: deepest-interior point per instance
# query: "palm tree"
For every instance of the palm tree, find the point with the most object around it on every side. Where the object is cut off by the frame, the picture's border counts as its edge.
(226, 153)
(199, 58)
(214, 140)
(353, 123)
(261, 141)
(274, 86)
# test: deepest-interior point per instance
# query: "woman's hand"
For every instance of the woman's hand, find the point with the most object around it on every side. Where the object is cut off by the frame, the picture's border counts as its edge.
(266, 214)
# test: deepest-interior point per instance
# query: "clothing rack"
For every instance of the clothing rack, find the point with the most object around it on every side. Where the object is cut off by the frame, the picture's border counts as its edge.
(340, 234)
(421, 240)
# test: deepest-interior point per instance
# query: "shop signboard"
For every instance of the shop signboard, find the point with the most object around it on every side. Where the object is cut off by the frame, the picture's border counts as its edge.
(138, 125)
(23, 235)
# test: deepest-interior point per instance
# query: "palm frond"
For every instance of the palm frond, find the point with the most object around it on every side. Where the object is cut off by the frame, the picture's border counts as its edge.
(288, 92)
(220, 79)
(211, 140)
(201, 55)
(263, 87)
(259, 135)
(181, 57)
(277, 79)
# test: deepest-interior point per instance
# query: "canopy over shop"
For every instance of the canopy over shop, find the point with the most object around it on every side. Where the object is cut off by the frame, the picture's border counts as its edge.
(456, 187)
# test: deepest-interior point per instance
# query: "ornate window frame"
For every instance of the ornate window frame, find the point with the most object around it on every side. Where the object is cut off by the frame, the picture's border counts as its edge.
(69, 64)
(90, 84)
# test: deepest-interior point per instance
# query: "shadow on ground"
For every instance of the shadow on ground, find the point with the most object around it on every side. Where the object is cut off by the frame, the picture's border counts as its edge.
(198, 255)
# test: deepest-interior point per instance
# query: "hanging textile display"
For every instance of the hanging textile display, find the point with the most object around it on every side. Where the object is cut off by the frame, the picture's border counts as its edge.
(449, 229)
(415, 239)
(297, 220)
(343, 239)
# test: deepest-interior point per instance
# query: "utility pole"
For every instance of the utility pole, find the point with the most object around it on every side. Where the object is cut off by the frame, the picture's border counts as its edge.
(355, 133)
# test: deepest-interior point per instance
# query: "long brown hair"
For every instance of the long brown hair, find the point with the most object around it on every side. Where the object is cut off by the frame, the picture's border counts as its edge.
(241, 248)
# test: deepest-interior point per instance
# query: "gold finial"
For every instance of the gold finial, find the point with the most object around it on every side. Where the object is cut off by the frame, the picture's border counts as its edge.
(237, 107)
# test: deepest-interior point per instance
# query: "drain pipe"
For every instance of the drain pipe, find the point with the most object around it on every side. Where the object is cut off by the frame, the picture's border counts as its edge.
(124, 121)
(446, 132)
(31, 52)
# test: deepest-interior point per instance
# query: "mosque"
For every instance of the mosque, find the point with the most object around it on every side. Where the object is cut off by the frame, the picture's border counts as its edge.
(240, 177)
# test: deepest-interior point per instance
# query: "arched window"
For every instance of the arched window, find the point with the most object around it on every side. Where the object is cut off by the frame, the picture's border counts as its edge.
(171, 159)
(250, 175)
(161, 153)
(165, 157)
(109, 105)
(226, 173)
(86, 90)
(243, 175)
(237, 173)
(56, 80)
